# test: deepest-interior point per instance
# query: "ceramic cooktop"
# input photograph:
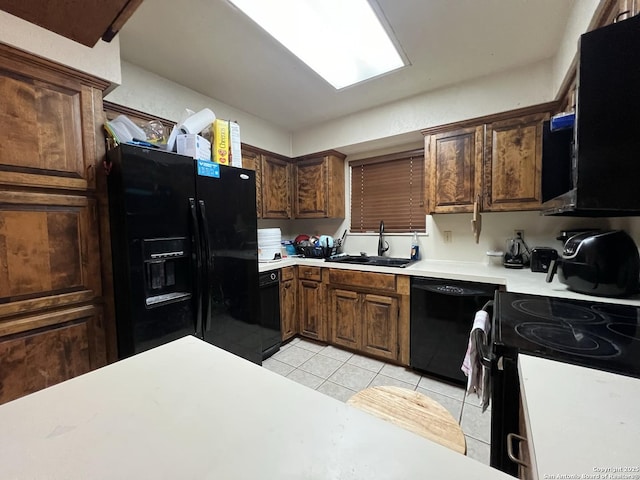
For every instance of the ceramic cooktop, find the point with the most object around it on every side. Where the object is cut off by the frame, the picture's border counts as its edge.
(592, 334)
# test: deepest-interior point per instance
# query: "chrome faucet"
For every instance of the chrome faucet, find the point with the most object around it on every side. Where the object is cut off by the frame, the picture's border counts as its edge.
(381, 241)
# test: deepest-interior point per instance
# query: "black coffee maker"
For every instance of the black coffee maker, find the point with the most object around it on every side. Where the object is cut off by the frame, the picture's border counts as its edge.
(517, 253)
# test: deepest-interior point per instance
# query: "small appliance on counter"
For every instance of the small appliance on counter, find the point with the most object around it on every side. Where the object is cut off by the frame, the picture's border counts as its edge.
(599, 263)
(541, 258)
(517, 254)
(567, 234)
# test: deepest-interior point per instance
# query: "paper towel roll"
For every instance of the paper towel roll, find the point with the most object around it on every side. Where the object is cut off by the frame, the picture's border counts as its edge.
(198, 121)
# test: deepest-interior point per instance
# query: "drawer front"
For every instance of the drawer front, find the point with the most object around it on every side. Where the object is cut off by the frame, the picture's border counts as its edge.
(369, 280)
(286, 274)
(309, 273)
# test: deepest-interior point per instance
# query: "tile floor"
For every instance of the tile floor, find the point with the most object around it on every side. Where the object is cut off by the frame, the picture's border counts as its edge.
(340, 374)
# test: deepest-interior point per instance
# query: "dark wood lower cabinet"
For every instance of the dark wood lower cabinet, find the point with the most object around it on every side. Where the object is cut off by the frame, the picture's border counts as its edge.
(380, 326)
(311, 309)
(344, 312)
(288, 303)
(40, 351)
(364, 322)
(368, 313)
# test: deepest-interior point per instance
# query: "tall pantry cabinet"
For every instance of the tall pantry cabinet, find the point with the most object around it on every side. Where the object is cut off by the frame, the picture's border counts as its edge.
(52, 311)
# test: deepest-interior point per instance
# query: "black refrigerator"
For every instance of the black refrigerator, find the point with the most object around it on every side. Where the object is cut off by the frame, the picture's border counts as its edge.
(184, 249)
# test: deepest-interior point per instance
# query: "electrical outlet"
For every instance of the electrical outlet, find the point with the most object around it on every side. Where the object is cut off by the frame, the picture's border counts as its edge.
(518, 233)
(447, 236)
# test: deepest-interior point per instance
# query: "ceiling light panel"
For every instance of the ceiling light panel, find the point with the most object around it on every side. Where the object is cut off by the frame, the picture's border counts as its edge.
(341, 40)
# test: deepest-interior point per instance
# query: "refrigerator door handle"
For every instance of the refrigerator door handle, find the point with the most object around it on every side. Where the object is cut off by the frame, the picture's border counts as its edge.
(197, 276)
(207, 263)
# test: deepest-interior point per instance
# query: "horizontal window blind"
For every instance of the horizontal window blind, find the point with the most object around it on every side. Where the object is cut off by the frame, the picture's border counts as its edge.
(389, 189)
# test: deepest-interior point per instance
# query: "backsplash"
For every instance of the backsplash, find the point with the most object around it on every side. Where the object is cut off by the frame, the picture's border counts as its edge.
(496, 229)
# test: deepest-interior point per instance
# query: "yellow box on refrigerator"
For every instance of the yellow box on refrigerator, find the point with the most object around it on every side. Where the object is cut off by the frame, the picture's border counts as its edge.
(220, 148)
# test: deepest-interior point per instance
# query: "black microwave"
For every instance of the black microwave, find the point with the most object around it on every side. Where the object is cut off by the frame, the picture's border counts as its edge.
(593, 168)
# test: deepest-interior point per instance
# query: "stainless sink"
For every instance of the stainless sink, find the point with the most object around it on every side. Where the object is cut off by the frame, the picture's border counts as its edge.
(373, 260)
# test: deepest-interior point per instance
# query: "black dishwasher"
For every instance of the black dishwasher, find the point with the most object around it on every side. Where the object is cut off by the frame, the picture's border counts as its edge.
(270, 312)
(442, 313)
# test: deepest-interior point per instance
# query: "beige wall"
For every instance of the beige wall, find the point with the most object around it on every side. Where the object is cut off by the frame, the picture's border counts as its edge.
(156, 95)
(102, 61)
(503, 91)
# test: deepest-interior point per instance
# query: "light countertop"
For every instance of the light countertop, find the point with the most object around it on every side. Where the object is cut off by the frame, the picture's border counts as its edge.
(514, 280)
(190, 410)
(582, 421)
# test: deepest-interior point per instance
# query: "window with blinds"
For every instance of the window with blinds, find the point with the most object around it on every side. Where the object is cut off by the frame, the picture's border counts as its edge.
(389, 188)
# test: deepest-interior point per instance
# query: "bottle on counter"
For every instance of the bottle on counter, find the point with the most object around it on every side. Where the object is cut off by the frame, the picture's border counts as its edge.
(415, 248)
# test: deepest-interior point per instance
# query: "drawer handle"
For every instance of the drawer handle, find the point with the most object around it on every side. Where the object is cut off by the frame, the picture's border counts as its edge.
(510, 454)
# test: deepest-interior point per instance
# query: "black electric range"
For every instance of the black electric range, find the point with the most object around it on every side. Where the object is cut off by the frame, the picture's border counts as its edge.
(593, 334)
(604, 336)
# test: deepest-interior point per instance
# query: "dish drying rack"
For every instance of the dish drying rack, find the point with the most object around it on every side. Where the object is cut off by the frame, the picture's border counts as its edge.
(314, 251)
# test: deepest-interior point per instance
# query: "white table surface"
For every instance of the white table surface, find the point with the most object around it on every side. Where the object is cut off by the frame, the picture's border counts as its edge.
(514, 280)
(583, 421)
(188, 410)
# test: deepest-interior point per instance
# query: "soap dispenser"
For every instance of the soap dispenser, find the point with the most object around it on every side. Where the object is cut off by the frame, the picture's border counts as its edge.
(415, 248)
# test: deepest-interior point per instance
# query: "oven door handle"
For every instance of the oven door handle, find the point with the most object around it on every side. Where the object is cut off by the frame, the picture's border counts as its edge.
(510, 440)
(484, 351)
(481, 341)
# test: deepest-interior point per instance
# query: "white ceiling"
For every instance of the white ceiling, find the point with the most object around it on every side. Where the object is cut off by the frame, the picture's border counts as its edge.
(212, 48)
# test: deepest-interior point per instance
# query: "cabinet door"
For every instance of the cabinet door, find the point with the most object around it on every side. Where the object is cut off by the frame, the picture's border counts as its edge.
(44, 144)
(251, 161)
(513, 164)
(38, 351)
(49, 251)
(310, 310)
(311, 180)
(288, 310)
(454, 166)
(276, 188)
(380, 326)
(345, 318)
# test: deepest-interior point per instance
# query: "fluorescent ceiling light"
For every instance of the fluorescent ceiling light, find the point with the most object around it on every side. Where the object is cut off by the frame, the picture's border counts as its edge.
(342, 40)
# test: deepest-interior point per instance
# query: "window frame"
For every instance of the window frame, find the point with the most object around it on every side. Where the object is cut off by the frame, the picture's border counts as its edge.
(404, 215)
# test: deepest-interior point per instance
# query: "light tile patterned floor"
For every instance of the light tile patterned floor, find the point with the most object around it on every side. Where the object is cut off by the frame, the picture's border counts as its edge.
(340, 374)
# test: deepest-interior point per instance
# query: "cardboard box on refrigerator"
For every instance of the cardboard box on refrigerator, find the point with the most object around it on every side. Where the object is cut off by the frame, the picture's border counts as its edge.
(220, 141)
(194, 146)
(236, 148)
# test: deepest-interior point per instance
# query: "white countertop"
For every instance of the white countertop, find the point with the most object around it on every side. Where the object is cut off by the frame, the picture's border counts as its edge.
(515, 280)
(189, 410)
(582, 421)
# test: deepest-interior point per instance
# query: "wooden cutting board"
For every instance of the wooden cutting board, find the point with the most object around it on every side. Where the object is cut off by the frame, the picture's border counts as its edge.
(412, 411)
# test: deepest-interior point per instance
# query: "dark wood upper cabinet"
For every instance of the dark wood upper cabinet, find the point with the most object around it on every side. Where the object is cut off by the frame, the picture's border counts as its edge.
(276, 187)
(513, 164)
(453, 163)
(495, 161)
(84, 21)
(319, 187)
(252, 161)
